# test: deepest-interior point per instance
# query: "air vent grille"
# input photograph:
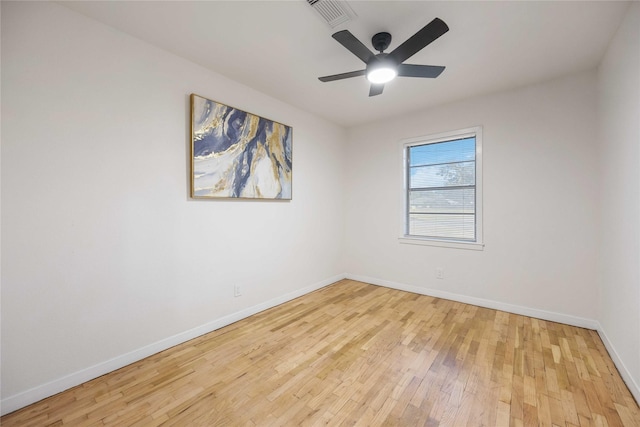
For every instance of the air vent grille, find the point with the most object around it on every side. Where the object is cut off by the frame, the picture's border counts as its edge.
(333, 12)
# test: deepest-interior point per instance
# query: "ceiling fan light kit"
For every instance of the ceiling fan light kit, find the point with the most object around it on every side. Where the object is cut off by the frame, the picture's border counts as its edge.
(384, 67)
(382, 70)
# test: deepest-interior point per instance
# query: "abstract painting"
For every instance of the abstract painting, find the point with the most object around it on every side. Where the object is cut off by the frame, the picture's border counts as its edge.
(235, 154)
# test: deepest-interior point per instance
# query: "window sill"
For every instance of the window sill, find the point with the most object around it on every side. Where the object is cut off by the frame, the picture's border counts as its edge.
(410, 240)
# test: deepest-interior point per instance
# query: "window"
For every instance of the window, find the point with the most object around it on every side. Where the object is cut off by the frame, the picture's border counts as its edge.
(443, 189)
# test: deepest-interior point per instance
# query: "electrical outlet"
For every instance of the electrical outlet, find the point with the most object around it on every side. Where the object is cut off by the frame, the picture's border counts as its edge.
(237, 291)
(439, 273)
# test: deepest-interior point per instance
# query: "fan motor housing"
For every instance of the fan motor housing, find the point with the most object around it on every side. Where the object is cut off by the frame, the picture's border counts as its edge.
(381, 60)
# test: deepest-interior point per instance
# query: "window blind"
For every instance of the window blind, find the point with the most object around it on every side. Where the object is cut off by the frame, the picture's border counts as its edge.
(441, 199)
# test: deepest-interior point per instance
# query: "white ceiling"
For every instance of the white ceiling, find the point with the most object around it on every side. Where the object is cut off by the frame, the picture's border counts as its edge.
(281, 47)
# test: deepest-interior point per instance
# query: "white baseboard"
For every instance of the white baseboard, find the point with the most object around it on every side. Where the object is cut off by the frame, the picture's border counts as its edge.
(632, 385)
(20, 400)
(497, 305)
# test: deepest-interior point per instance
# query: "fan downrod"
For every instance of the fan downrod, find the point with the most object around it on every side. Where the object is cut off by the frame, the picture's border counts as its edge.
(381, 41)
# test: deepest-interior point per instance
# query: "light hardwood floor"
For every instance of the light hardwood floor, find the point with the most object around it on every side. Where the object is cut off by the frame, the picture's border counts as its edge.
(358, 354)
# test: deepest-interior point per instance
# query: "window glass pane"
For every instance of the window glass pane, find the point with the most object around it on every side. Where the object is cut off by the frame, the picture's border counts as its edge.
(441, 197)
(459, 227)
(460, 200)
(450, 174)
(443, 152)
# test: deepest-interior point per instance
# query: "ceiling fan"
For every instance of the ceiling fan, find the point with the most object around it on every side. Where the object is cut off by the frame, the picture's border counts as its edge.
(384, 67)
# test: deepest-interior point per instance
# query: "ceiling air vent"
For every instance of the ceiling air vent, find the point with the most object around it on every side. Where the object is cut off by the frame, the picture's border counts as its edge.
(333, 12)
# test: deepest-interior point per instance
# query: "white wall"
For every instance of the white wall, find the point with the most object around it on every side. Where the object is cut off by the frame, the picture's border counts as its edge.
(540, 203)
(619, 134)
(105, 257)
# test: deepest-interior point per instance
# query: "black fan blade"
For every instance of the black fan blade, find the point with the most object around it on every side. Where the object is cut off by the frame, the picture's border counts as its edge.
(419, 40)
(342, 76)
(376, 89)
(410, 70)
(355, 46)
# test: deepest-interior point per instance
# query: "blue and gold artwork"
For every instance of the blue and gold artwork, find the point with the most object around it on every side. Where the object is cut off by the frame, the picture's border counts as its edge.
(238, 154)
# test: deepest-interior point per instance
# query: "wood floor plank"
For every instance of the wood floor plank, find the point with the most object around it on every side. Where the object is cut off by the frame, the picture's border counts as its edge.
(358, 354)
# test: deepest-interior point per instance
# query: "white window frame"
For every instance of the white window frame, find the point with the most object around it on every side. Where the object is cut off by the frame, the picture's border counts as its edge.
(405, 144)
